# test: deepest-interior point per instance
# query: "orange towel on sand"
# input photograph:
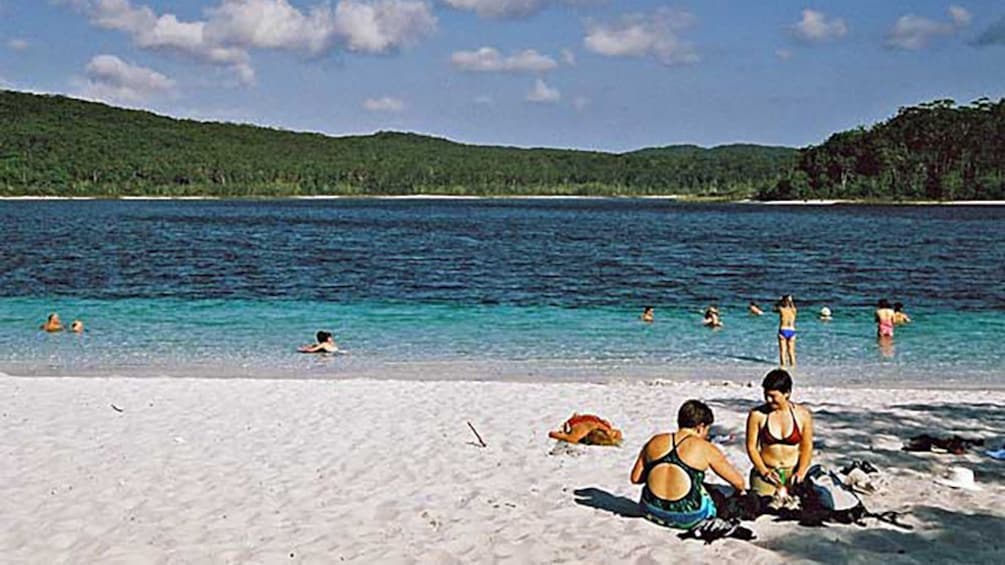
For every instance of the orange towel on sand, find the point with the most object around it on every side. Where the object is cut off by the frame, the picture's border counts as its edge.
(588, 429)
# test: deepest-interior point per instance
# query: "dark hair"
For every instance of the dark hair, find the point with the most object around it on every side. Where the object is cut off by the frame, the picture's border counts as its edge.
(883, 303)
(694, 412)
(898, 306)
(786, 300)
(779, 380)
(323, 336)
(648, 308)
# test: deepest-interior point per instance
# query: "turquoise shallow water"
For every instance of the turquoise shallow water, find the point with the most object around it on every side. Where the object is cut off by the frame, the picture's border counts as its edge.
(486, 289)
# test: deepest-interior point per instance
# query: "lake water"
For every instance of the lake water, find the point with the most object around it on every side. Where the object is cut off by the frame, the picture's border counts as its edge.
(512, 289)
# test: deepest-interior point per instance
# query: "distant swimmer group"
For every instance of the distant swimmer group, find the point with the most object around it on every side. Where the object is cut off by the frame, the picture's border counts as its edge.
(53, 324)
(886, 316)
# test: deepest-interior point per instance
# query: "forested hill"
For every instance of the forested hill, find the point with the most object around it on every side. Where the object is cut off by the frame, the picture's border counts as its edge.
(53, 145)
(934, 151)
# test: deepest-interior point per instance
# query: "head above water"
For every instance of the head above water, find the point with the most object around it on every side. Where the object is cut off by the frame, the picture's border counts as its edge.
(898, 306)
(694, 413)
(786, 301)
(323, 336)
(883, 303)
(54, 317)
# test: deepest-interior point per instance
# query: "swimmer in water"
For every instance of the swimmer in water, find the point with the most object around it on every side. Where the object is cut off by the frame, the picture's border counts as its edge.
(325, 344)
(647, 315)
(786, 308)
(899, 316)
(77, 327)
(754, 309)
(53, 323)
(712, 319)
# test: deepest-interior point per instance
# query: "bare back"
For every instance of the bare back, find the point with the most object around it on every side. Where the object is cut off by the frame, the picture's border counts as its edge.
(786, 317)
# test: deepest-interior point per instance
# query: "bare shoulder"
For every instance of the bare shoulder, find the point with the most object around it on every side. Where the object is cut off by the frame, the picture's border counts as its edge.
(803, 412)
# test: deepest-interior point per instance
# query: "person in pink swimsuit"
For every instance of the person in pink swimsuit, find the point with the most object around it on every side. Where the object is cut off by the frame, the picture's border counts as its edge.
(884, 319)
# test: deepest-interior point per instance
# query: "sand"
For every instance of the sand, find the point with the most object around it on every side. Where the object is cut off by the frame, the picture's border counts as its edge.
(143, 470)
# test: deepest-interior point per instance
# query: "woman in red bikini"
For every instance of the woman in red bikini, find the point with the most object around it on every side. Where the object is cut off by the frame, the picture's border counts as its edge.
(779, 437)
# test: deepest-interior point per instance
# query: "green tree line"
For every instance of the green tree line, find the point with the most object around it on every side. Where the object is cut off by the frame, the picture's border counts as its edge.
(933, 151)
(59, 146)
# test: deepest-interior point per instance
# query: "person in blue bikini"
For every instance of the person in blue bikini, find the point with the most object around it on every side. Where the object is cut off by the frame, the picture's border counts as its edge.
(786, 308)
(671, 468)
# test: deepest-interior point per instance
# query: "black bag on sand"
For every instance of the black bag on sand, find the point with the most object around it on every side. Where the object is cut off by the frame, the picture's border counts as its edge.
(823, 497)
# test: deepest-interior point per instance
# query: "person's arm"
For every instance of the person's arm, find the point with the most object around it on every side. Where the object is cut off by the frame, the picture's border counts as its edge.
(722, 467)
(310, 348)
(753, 429)
(640, 465)
(805, 447)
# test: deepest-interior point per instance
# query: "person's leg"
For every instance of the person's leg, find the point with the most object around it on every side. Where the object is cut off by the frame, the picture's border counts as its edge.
(792, 351)
(781, 351)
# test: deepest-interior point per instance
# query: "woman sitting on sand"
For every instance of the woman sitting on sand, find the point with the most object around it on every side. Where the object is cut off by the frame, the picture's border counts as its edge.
(672, 467)
(53, 323)
(779, 437)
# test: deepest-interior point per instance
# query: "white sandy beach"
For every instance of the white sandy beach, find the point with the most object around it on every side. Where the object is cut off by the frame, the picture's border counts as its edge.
(298, 471)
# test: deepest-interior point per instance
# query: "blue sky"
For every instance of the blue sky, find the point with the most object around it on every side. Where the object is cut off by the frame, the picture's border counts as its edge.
(595, 74)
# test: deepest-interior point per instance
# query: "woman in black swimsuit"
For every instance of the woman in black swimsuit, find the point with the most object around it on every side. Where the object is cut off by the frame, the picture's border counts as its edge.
(779, 437)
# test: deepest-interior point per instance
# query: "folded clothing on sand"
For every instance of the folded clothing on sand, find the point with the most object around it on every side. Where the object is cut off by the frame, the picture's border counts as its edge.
(956, 445)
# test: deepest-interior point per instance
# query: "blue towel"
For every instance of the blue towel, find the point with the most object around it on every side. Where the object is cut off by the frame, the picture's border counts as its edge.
(999, 455)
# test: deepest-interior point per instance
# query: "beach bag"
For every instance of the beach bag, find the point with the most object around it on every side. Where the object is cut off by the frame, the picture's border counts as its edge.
(827, 496)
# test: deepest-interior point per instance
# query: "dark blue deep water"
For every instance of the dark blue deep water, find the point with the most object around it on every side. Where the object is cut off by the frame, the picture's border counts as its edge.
(497, 288)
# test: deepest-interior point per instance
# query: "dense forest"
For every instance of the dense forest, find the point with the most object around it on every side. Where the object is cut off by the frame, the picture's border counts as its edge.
(53, 145)
(59, 146)
(934, 151)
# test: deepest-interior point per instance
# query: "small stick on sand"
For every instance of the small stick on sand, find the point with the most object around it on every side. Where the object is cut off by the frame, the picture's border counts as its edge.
(480, 440)
(116, 408)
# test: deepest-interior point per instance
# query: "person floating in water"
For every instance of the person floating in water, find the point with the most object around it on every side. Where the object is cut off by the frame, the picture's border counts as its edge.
(786, 308)
(899, 316)
(647, 315)
(77, 327)
(325, 344)
(754, 309)
(671, 468)
(825, 314)
(712, 319)
(53, 323)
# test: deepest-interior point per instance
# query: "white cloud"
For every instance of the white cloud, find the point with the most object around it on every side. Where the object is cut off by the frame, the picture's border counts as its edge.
(165, 32)
(488, 59)
(816, 27)
(961, 17)
(384, 104)
(642, 35)
(580, 103)
(543, 94)
(17, 44)
(913, 32)
(234, 27)
(569, 57)
(783, 54)
(485, 100)
(383, 26)
(499, 8)
(512, 8)
(114, 80)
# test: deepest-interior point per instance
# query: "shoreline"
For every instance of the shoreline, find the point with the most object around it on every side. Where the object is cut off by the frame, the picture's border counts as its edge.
(718, 381)
(681, 198)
